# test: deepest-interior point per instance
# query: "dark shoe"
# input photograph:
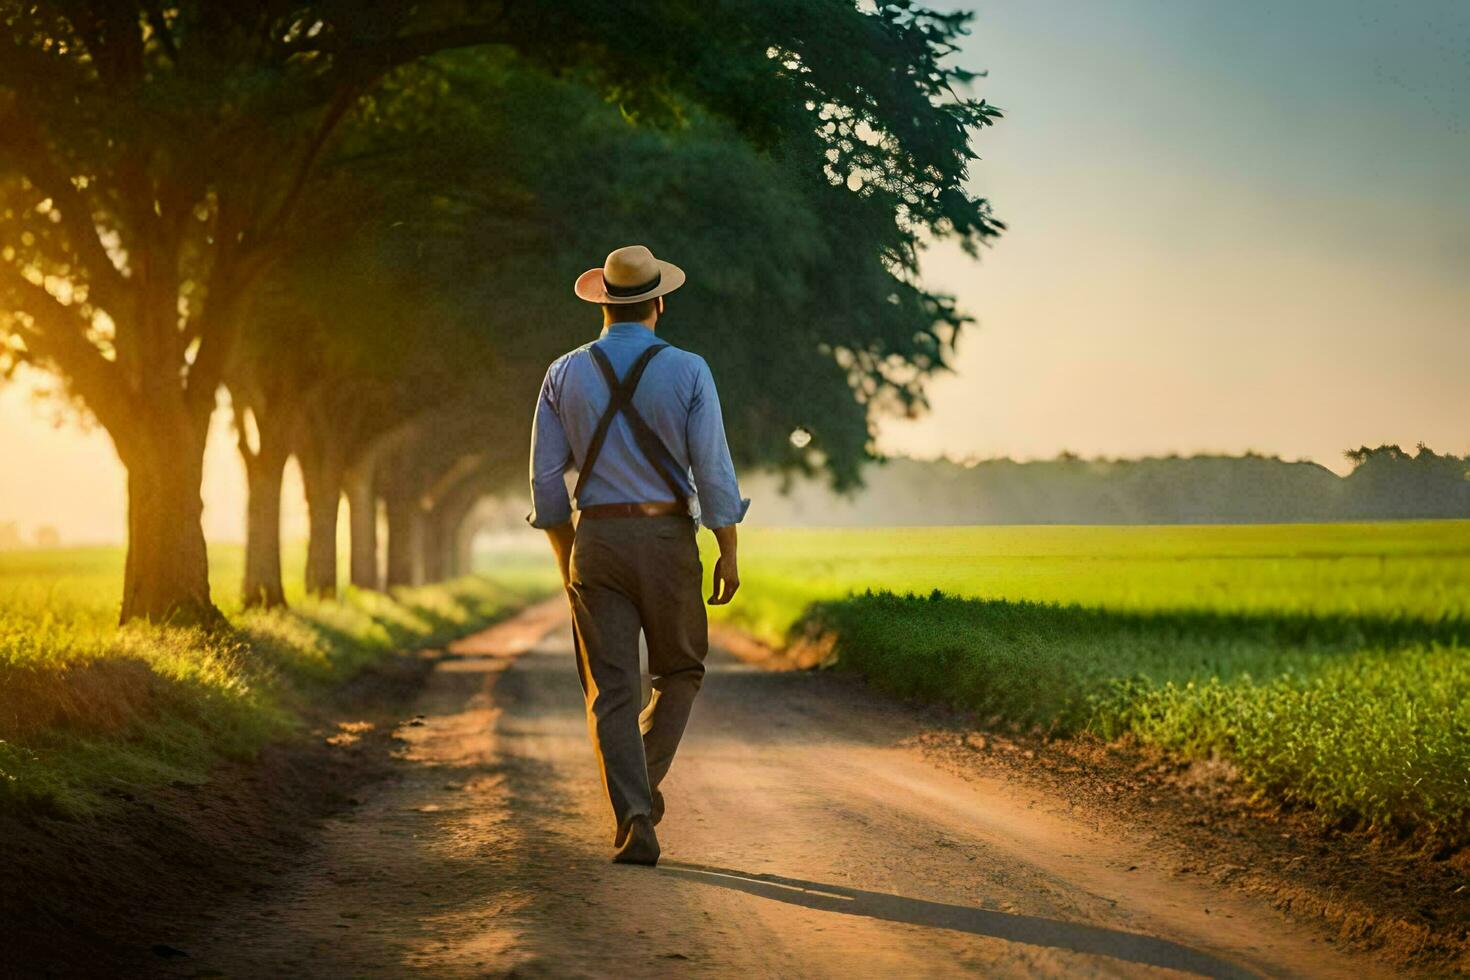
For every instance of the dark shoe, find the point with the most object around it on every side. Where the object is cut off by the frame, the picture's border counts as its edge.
(658, 807)
(640, 843)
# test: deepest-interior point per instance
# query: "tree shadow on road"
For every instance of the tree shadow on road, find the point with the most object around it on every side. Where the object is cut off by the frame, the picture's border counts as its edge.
(1029, 929)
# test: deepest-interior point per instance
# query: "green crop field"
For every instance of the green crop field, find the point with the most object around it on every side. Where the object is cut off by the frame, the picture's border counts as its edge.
(1329, 663)
(89, 710)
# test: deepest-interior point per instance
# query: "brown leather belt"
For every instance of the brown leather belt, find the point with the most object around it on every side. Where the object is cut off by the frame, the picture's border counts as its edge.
(662, 508)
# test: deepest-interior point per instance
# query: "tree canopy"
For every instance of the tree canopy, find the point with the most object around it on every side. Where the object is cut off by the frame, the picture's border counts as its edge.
(160, 168)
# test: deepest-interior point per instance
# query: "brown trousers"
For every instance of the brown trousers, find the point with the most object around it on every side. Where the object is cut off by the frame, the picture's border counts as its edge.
(632, 574)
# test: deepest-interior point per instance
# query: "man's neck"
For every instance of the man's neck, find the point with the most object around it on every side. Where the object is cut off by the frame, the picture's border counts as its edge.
(650, 325)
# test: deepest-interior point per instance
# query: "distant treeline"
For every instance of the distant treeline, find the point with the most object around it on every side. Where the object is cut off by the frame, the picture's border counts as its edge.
(1385, 483)
(46, 536)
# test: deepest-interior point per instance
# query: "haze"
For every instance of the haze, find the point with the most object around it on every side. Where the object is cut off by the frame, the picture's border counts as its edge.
(1232, 226)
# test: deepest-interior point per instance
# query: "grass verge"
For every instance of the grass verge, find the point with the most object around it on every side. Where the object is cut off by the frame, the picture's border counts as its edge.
(90, 712)
(1360, 723)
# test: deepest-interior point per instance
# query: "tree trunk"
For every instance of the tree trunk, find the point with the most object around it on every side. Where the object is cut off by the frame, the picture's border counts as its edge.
(263, 473)
(323, 504)
(166, 578)
(463, 554)
(431, 548)
(362, 515)
(405, 540)
(443, 548)
(322, 473)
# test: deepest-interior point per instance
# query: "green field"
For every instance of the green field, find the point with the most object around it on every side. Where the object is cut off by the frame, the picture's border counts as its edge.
(89, 710)
(1329, 663)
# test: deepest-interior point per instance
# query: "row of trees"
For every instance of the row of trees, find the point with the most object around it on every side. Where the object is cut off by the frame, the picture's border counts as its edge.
(361, 220)
(1386, 483)
(46, 536)
(1391, 482)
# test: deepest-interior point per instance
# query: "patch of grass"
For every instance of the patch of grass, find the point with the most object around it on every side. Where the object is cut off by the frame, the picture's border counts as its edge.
(1381, 735)
(89, 710)
(1329, 663)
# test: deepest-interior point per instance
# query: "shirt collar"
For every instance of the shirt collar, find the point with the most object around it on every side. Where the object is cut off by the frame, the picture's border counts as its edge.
(626, 329)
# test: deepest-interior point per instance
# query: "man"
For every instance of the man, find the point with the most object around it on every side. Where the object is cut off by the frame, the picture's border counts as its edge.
(641, 422)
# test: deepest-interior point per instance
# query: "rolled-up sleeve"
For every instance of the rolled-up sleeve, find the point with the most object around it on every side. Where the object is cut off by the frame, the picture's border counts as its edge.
(720, 503)
(551, 455)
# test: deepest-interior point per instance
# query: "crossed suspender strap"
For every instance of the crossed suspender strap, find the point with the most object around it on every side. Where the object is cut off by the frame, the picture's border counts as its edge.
(621, 400)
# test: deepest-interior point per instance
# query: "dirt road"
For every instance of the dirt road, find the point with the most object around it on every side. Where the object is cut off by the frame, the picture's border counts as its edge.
(806, 836)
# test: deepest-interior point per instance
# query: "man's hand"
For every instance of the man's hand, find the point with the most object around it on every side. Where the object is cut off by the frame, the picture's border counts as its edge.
(727, 569)
(561, 538)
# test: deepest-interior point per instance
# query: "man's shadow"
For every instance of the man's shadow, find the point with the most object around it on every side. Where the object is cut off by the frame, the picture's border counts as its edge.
(1029, 929)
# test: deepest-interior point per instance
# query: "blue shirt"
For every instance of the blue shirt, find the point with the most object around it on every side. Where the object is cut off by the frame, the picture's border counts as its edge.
(676, 396)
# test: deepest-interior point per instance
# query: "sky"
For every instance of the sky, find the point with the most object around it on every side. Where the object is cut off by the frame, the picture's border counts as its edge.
(1233, 226)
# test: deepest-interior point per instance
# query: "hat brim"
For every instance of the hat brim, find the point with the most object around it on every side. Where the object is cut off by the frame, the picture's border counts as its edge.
(591, 287)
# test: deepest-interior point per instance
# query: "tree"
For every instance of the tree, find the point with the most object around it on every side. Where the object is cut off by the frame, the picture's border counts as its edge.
(793, 288)
(153, 160)
(769, 302)
(150, 160)
(382, 328)
(1388, 482)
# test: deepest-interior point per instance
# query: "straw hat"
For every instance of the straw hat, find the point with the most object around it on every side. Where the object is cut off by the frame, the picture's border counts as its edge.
(630, 275)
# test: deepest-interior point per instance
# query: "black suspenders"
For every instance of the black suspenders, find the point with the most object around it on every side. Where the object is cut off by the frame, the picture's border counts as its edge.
(621, 400)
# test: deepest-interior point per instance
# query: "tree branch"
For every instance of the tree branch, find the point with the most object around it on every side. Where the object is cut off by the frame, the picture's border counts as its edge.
(457, 472)
(24, 137)
(336, 111)
(381, 56)
(60, 336)
(217, 335)
(242, 438)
